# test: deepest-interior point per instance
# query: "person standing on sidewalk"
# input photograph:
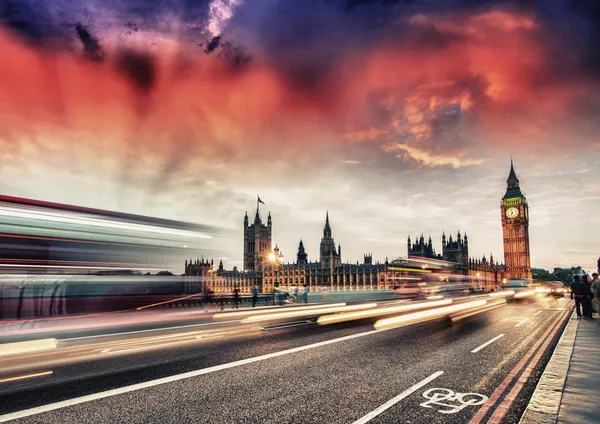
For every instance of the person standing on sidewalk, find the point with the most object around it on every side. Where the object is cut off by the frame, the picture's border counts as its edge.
(580, 294)
(587, 305)
(596, 293)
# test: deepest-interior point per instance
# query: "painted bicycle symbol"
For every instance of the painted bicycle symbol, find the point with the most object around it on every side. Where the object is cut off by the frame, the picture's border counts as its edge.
(455, 401)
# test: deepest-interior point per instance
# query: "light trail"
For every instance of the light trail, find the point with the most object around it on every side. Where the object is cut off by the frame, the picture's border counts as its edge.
(523, 294)
(94, 222)
(350, 316)
(496, 304)
(25, 377)
(502, 293)
(294, 314)
(168, 301)
(27, 347)
(256, 311)
(437, 296)
(417, 317)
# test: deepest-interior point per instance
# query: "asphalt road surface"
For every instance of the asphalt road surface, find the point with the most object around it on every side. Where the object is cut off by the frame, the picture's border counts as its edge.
(291, 370)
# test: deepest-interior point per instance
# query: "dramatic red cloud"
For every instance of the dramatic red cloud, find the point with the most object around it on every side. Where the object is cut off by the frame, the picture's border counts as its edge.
(488, 77)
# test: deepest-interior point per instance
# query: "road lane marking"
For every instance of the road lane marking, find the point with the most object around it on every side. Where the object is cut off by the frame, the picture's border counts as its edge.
(503, 408)
(457, 401)
(478, 417)
(522, 322)
(147, 331)
(487, 343)
(398, 398)
(538, 312)
(164, 380)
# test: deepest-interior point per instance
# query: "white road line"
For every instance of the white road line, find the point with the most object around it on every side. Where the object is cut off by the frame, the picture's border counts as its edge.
(487, 343)
(164, 380)
(538, 312)
(397, 399)
(522, 322)
(147, 331)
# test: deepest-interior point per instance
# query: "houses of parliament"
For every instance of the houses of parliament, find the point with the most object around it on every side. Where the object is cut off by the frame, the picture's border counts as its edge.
(263, 269)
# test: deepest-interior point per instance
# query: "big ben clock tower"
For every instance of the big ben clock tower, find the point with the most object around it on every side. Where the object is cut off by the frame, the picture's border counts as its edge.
(515, 229)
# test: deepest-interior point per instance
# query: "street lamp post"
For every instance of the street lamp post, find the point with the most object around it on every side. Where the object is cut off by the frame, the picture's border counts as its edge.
(276, 258)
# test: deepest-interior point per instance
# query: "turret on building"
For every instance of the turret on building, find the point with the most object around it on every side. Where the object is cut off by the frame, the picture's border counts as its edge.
(422, 248)
(456, 251)
(257, 242)
(330, 257)
(302, 257)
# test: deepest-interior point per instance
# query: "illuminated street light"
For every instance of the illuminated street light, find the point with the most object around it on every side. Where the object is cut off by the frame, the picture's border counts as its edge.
(276, 258)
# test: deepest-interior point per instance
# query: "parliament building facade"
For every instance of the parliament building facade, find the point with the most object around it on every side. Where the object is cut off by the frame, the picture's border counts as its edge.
(263, 269)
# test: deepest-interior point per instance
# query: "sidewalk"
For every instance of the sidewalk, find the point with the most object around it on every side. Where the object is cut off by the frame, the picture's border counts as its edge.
(568, 389)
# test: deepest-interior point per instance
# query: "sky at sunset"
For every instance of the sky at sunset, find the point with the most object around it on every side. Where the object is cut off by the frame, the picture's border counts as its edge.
(398, 117)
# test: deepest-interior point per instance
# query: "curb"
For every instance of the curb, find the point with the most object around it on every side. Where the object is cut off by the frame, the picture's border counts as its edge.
(544, 404)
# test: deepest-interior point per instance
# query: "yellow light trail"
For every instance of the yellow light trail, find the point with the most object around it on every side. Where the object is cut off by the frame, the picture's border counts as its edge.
(26, 347)
(224, 315)
(425, 315)
(168, 301)
(502, 293)
(427, 271)
(350, 316)
(267, 317)
(24, 377)
(525, 294)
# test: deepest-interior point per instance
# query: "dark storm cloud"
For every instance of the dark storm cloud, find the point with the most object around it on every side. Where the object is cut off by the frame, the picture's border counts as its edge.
(91, 46)
(212, 44)
(139, 68)
(31, 22)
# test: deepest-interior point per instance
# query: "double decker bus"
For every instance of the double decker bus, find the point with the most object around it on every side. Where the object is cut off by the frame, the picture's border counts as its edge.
(60, 259)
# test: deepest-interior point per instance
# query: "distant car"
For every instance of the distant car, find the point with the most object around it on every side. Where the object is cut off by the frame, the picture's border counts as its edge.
(556, 289)
(520, 289)
(409, 291)
(452, 290)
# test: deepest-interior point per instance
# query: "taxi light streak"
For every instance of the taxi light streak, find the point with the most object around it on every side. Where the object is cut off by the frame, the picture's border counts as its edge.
(24, 377)
(27, 347)
(154, 346)
(502, 293)
(266, 317)
(168, 301)
(525, 294)
(256, 311)
(425, 315)
(337, 318)
(477, 311)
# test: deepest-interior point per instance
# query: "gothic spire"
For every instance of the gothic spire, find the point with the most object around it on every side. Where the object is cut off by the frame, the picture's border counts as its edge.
(512, 176)
(327, 229)
(512, 189)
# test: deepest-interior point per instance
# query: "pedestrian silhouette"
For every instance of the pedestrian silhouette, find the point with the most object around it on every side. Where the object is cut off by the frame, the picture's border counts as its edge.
(236, 297)
(254, 296)
(580, 293)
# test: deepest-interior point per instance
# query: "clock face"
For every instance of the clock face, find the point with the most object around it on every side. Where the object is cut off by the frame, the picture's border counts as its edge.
(512, 213)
